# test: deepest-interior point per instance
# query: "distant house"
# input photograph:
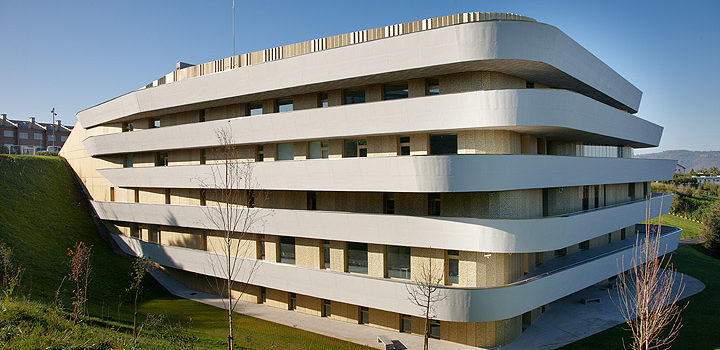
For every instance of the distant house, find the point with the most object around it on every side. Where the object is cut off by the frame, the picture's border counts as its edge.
(679, 169)
(701, 179)
(30, 137)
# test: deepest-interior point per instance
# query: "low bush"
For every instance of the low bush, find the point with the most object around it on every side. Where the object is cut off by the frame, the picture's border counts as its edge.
(711, 230)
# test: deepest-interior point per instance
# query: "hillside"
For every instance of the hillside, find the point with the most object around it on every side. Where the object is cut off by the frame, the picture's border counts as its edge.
(42, 214)
(689, 159)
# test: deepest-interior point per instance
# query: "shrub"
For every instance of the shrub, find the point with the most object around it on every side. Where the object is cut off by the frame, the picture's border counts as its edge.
(711, 230)
(46, 153)
(4, 149)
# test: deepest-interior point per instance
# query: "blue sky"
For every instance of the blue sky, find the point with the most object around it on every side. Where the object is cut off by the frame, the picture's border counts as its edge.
(75, 54)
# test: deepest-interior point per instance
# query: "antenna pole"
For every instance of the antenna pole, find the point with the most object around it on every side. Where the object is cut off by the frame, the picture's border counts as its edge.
(233, 19)
(53, 127)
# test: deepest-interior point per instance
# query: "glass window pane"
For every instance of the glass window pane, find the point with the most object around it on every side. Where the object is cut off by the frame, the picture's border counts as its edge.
(363, 152)
(357, 257)
(398, 262)
(325, 153)
(395, 91)
(354, 96)
(314, 150)
(286, 151)
(433, 87)
(285, 105)
(443, 144)
(255, 108)
(454, 271)
(406, 324)
(405, 150)
(287, 250)
(350, 148)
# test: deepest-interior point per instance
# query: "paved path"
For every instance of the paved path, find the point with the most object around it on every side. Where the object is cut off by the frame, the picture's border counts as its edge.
(566, 321)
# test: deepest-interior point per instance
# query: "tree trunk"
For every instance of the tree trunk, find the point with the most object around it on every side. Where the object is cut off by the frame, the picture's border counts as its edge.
(229, 291)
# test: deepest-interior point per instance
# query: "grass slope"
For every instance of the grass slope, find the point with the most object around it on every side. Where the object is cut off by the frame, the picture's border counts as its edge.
(691, 229)
(42, 215)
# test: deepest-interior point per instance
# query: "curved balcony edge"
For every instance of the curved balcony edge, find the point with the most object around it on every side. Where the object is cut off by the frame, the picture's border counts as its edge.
(534, 51)
(424, 174)
(461, 304)
(548, 113)
(468, 234)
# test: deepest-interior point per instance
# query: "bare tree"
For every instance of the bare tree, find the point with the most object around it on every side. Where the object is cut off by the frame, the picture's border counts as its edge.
(140, 267)
(649, 292)
(80, 270)
(425, 292)
(232, 215)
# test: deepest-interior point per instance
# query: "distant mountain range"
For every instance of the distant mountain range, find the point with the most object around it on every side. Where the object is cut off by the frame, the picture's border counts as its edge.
(689, 159)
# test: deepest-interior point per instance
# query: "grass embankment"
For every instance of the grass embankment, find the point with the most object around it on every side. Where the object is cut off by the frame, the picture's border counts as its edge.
(691, 229)
(700, 318)
(41, 216)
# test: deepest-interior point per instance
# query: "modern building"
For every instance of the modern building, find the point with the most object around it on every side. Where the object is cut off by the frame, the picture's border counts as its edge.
(490, 146)
(30, 137)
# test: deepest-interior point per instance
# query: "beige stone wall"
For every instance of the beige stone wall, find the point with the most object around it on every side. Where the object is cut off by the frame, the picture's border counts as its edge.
(376, 260)
(244, 245)
(489, 142)
(182, 237)
(308, 252)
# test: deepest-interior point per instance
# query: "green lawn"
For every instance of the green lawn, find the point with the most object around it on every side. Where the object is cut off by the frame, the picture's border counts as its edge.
(700, 319)
(42, 215)
(691, 229)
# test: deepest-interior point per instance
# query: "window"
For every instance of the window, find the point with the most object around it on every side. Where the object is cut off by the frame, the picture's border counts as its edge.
(128, 161)
(545, 201)
(203, 197)
(23, 135)
(398, 262)
(323, 100)
(435, 329)
(9, 133)
(37, 136)
(389, 203)
(260, 154)
(434, 204)
(585, 197)
(596, 195)
(292, 304)
(286, 151)
(201, 115)
(326, 254)
(443, 144)
(351, 96)
(357, 257)
(432, 87)
(154, 123)
(112, 194)
(405, 323)
(355, 148)
(134, 231)
(137, 195)
(453, 266)
(327, 308)
(404, 146)
(255, 108)
(631, 192)
(394, 91)
(311, 200)
(623, 233)
(318, 149)
(261, 247)
(167, 196)
(161, 159)
(128, 126)
(51, 138)
(285, 105)
(584, 245)
(154, 234)
(364, 315)
(560, 252)
(63, 138)
(203, 156)
(263, 295)
(251, 198)
(529, 85)
(287, 250)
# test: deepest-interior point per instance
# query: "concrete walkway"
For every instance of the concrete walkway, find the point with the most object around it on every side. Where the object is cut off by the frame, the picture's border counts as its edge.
(566, 321)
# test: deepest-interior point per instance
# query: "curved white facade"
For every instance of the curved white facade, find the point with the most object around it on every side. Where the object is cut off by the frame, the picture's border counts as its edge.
(534, 51)
(546, 112)
(460, 304)
(489, 148)
(470, 234)
(457, 173)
